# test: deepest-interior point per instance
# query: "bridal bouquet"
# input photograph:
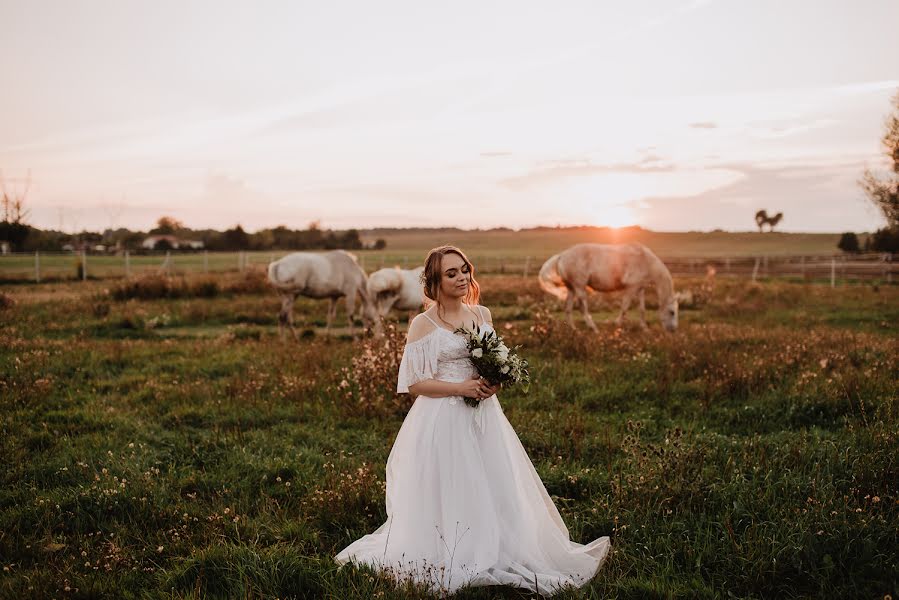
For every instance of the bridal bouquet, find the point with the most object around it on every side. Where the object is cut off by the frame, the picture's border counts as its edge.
(495, 361)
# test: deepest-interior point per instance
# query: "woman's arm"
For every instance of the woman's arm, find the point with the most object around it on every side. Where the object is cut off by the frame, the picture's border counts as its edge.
(488, 318)
(434, 388)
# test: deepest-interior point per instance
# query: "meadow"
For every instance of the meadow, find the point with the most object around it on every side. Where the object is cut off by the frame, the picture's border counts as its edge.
(495, 251)
(160, 441)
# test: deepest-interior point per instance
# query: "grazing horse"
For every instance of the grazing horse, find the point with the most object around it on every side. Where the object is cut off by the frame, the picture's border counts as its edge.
(328, 275)
(607, 268)
(393, 288)
(761, 217)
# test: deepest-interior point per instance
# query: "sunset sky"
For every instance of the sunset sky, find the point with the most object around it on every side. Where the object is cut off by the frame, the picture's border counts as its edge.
(673, 115)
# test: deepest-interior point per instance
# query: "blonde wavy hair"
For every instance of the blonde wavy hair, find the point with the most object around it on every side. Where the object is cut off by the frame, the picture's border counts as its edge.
(431, 276)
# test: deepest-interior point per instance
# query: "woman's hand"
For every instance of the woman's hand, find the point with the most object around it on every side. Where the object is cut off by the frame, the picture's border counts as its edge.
(476, 388)
(492, 389)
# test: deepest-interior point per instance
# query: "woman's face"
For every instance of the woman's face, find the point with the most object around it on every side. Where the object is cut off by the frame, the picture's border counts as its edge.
(455, 276)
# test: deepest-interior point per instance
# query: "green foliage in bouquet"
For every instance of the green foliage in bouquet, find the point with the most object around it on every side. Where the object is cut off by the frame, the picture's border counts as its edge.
(495, 362)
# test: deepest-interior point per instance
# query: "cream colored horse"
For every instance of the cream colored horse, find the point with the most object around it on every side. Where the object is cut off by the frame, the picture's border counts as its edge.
(390, 288)
(330, 275)
(569, 275)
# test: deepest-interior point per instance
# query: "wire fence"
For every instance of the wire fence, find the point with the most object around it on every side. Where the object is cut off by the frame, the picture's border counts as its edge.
(40, 267)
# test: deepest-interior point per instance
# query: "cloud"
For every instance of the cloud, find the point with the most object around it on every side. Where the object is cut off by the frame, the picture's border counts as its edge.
(704, 125)
(813, 197)
(552, 171)
(787, 128)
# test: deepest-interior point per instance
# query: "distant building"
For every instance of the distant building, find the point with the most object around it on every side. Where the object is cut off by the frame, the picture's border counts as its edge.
(151, 241)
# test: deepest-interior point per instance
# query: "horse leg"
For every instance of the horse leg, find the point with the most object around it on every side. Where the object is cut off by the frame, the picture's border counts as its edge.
(585, 307)
(625, 304)
(284, 315)
(643, 309)
(332, 312)
(569, 305)
(350, 310)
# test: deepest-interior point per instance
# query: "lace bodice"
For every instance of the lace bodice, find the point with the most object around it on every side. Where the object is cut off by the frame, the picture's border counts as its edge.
(441, 355)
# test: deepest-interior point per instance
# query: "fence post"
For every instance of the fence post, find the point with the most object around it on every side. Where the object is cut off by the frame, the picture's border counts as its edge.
(127, 264)
(727, 265)
(37, 267)
(755, 269)
(83, 264)
(833, 272)
(205, 261)
(527, 263)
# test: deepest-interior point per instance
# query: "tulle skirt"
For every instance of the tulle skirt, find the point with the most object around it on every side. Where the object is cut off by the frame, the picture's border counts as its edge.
(465, 506)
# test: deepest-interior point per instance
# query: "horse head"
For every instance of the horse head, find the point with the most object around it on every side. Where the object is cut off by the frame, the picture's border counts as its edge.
(668, 313)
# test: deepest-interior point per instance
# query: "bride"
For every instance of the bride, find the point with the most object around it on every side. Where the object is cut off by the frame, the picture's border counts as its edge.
(464, 503)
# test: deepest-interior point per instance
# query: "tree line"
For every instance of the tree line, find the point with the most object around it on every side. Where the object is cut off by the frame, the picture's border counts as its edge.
(313, 237)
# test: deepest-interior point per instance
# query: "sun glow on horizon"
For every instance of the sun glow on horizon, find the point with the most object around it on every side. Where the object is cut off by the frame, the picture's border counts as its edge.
(616, 216)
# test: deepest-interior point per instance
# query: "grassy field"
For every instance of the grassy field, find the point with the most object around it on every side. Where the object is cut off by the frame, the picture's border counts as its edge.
(492, 251)
(546, 242)
(173, 447)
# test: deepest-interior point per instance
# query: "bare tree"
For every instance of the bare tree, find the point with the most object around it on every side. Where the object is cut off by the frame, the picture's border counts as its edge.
(13, 228)
(14, 210)
(883, 190)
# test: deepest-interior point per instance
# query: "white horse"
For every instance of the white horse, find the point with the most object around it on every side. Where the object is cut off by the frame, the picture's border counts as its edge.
(394, 288)
(607, 268)
(328, 275)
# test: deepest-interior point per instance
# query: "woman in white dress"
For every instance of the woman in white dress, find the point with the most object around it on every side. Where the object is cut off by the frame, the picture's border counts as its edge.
(465, 505)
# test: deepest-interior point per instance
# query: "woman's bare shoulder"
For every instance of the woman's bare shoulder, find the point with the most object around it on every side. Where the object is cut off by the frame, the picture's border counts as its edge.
(486, 313)
(420, 327)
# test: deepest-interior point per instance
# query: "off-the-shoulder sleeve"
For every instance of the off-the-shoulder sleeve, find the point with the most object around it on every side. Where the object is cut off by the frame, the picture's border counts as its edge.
(419, 362)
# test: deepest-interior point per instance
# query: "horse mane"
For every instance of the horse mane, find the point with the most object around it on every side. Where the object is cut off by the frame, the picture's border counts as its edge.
(659, 273)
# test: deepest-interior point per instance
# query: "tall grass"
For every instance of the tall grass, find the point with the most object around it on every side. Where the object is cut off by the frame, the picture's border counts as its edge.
(752, 453)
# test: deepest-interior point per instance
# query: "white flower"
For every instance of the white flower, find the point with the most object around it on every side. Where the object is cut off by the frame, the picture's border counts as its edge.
(504, 369)
(477, 353)
(503, 353)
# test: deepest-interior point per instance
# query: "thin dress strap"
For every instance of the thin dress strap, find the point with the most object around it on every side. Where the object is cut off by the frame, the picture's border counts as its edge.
(481, 310)
(430, 319)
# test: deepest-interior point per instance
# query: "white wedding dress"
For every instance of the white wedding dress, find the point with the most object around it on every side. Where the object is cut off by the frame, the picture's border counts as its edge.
(464, 503)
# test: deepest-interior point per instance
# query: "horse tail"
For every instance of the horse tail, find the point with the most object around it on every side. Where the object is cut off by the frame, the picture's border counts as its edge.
(273, 273)
(550, 280)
